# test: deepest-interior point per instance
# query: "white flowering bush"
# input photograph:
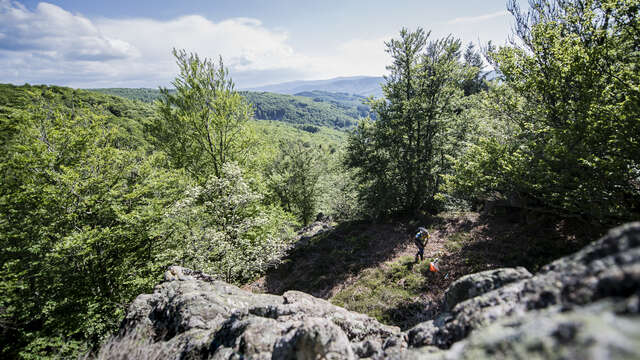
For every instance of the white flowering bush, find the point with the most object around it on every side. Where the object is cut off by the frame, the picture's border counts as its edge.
(223, 228)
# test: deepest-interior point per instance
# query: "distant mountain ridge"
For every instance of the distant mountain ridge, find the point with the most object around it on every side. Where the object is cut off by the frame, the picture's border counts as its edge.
(358, 85)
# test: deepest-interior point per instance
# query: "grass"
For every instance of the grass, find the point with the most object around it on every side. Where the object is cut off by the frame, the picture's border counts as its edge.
(356, 265)
(392, 293)
(456, 241)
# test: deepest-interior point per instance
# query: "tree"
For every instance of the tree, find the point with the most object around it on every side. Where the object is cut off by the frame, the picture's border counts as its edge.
(223, 229)
(294, 176)
(401, 157)
(571, 96)
(473, 60)
(78, 199)
(203, 125)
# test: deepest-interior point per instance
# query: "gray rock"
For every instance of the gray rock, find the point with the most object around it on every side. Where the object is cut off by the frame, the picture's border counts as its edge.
(607, 268)
(314, 338)
(191, 315)
(584, 306)
(480, 283)
(593, 332)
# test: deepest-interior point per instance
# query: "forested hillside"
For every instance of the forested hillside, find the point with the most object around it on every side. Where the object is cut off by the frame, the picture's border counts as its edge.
(101, 193)
(317, 108)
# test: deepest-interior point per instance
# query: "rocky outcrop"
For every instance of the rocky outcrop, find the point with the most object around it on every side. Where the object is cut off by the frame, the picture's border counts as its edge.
(580, 298)
(473, 285)
(192, 316)
(584, 306)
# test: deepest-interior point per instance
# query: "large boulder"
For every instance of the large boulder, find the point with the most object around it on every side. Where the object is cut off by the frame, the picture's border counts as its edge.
(584, 306)
(605, 329)
(193, 316)
(480, 283)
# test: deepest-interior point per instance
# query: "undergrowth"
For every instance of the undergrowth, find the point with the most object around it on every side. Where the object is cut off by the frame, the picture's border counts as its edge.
(392, 293)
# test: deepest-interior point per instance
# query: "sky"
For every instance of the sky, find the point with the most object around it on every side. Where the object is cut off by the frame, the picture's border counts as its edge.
(92, 44)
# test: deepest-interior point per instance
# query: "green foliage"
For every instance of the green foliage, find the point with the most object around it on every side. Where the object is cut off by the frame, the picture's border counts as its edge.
(79, 197)
(570, 108)
(223, 229)
(92, 215)
(203, 125)
(316, 108)
(400, 158)
(476, 82)
(336, 187)
(355, 106)
(145, 95)
(340, 187)
(93, 212)
(293, 178)
(303, 110)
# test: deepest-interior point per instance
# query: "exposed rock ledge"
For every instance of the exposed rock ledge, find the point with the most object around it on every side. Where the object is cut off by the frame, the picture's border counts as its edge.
(584, 306)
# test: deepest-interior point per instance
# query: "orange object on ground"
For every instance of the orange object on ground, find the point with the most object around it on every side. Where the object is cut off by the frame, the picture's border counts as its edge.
(433, 267)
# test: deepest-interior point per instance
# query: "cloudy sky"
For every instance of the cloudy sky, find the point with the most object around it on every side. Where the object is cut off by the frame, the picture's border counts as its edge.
(116, 43)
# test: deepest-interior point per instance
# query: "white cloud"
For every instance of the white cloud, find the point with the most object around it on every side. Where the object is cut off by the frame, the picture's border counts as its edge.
(51, 45)
(363, 56)
(56, 32)
(244, 43)
(477, 19)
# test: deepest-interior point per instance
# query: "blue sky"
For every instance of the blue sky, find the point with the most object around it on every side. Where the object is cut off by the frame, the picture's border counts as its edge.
(116, 43)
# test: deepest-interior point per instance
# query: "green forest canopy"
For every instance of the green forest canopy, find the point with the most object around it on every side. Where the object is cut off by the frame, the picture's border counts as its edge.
(92, 212)
(317, 108)
(100, 194)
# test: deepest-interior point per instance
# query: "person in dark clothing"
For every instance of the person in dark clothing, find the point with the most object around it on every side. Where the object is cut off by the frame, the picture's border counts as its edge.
(421, 239)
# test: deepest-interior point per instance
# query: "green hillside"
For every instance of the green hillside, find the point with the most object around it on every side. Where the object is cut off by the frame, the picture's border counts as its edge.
(140, 94)
(95, 205)
(318, 108)
(355, 105)
(301, 110)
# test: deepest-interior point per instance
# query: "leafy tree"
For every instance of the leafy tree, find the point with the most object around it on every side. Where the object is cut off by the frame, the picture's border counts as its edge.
(571, 96)
(294, 178)
(79, 197)
(340, 191)
(401, 157)
(203, 124)
(223, 228)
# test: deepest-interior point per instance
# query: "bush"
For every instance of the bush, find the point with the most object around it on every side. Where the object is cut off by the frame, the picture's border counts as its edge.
(222, 228)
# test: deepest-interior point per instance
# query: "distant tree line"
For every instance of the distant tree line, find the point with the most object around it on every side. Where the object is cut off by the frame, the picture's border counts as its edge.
(319, 108)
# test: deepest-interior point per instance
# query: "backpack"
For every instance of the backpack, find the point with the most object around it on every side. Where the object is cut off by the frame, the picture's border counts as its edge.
(421, 236)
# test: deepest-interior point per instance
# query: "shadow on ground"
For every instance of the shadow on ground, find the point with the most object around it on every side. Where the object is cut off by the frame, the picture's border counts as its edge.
(476, 243)
(334, 256)
(338, 260)
(491, 242)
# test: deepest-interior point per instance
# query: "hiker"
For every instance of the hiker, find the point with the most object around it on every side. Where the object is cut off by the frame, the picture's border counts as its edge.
(420, 240)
